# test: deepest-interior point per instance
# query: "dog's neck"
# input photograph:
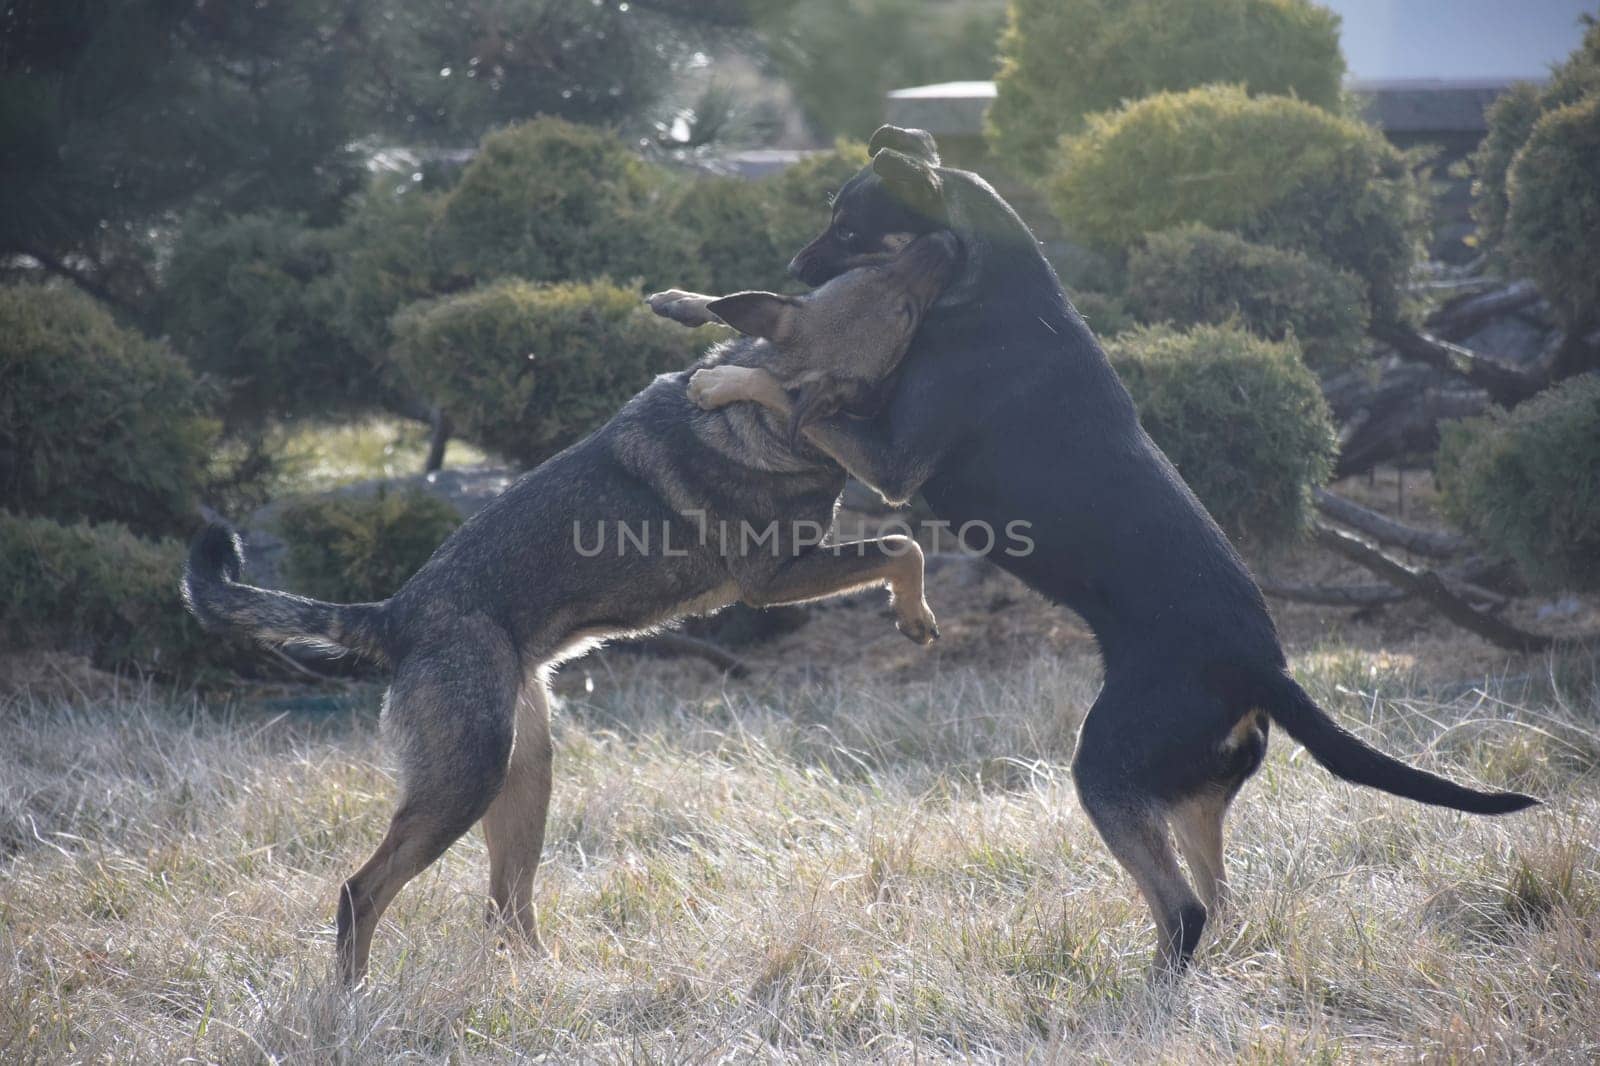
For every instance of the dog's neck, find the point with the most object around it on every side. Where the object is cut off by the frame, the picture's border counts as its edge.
(991, 232)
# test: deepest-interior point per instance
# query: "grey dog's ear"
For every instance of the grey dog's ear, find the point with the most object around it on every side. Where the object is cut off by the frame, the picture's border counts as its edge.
(757, 314)
(913, 181)
(919, 144)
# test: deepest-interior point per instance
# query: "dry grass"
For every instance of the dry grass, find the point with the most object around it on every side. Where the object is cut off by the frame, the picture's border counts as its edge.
(850, 869)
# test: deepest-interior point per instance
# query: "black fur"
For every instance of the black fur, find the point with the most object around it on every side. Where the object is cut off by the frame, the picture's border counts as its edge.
(1007, 409)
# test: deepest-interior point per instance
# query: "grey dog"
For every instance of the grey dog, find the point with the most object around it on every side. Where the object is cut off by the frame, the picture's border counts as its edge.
(709, 508)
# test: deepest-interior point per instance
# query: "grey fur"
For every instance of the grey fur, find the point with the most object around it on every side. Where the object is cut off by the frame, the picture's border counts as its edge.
(473, 634)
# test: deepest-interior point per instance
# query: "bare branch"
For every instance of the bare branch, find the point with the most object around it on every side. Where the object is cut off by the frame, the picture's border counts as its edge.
(1430, 587)
(82, 280)
(1505, 384)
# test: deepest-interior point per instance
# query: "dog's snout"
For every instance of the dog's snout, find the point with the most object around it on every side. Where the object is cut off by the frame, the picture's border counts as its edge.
(807, 268)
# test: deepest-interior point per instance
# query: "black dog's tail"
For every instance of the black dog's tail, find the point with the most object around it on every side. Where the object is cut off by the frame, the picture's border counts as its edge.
(212, 590)
(1349, 757)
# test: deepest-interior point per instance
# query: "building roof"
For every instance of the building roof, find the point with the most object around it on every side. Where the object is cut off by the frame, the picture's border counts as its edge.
(1396, 105)
(1428, 66)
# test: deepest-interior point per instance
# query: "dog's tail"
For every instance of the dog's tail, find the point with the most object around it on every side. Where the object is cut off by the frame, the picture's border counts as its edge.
(1351, 758)
(213, 592)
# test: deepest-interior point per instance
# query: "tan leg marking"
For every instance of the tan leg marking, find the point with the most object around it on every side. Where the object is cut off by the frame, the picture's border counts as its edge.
(514, 825)
(1198, 825)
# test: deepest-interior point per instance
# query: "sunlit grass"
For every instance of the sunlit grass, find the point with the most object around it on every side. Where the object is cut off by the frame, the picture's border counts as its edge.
(316, 456)
(852, 870)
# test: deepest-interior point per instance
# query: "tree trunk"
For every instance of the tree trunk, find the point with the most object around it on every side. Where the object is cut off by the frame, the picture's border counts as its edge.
(438, 440)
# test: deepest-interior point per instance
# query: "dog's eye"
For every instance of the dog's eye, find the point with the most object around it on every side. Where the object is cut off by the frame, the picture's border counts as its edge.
(846, 235)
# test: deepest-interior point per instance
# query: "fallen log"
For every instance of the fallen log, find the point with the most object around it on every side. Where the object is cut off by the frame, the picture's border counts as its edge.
(1395, 414)
(1385, 530)
(1334, 595)
(1465, 315)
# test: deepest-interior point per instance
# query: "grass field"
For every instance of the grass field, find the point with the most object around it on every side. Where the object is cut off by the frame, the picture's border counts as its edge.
(843, 866)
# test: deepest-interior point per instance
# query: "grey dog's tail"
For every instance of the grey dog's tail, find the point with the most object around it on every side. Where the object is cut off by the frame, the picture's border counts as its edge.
(212, 590)
(1351, 758)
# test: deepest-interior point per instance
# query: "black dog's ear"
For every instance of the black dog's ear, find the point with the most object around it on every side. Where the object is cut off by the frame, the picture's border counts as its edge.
(757, 314)
(919, 144)
(913, 181)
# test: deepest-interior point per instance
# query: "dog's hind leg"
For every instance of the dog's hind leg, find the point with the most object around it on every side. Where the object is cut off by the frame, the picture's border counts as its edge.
(450, 716)
(1198, 821)
(1133, 823)
(514, 825)
(1137, 836)
(1198, 824)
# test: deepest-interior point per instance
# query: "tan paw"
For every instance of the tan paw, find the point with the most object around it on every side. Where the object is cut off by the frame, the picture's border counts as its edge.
(689, 308)
(920, 626)
(717, 386)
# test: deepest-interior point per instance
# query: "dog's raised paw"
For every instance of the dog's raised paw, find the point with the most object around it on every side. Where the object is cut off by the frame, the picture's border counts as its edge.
(659, 301)
(688, 308)
(922, 628)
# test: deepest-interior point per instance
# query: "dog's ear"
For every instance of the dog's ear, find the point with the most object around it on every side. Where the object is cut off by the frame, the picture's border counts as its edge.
(916, 183)
(757, 314)
(919, 144)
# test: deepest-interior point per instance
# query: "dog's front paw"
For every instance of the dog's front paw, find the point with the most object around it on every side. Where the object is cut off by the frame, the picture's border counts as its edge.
(688, 308)
(919, 625)
(716, 386)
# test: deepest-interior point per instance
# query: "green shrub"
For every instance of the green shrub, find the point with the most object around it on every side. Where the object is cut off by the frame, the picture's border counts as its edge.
(1553, 229)
(1276, 170)
(1194, 275)
(96, 421)
(727, 221)
(1511, 119)
(741, 234)
(357, 549)
(1241, 418)
(1527, 483)
(550, 201)
(384, 258)
(1107, 313)
(99, 591)
(527, 369)
(247, 300)
(1061, 60)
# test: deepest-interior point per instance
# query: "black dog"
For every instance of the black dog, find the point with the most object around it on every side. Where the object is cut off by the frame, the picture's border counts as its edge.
(1007, 409)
